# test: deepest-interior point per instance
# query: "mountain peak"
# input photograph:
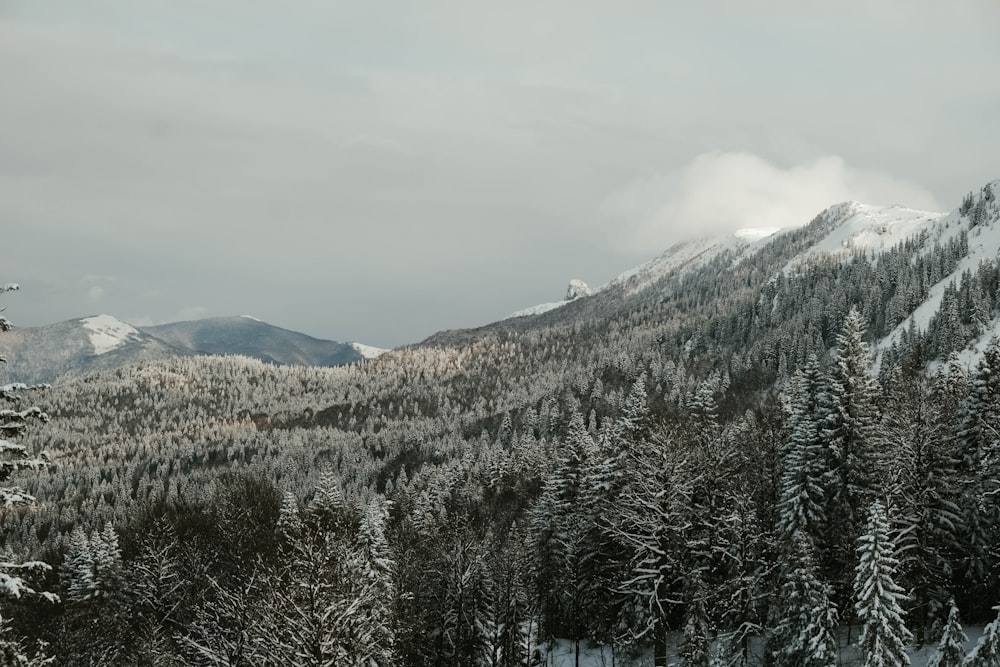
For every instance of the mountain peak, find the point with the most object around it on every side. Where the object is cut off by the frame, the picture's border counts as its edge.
(108, 332)
(576, 289)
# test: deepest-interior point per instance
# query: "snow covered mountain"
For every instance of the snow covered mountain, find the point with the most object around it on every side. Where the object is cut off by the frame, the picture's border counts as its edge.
(42, 354)
(251, 337)
(842, 233)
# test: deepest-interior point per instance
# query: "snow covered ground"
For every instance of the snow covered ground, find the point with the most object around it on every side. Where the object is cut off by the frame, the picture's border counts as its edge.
(368, 351)
(563, 652)
(107, 333)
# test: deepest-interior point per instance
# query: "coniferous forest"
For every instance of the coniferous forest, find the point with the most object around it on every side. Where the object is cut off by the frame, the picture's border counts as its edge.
(756, 460)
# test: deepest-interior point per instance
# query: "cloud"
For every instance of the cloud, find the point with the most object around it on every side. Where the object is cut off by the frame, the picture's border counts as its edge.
(724, 191)
(95, 293)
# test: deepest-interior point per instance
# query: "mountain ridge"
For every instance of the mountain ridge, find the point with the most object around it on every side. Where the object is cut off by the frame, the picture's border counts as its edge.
(102, 342)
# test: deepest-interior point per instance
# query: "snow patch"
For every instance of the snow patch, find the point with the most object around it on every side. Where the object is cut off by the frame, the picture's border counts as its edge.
(755, 234)
(537, 310)
(862, 227)
(690, 255)
(367, 351)
(108, 333)
(250, 317)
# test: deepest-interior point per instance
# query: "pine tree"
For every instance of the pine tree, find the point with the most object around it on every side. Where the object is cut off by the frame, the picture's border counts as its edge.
(978, 444)
(951, 649)
(987, 650)
(374, 571)
(923, 482)
(801, 511)
(695, 645)
(77, 573)
(878, 599)
(850, 432)
(805, 632)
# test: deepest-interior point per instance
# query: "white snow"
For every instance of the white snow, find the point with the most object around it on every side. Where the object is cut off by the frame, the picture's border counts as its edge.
(537, 310)
(577, 289)
(984, 244)
(865, 227)
(250, 317)
(562, 652)
(690, 255)
(367, 351)
(107, 333)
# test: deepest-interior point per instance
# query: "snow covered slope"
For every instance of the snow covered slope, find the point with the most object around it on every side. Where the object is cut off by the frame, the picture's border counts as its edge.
(861, 227)
(690, 255)
(845, 232)
(367, 351)
(577, 289)
(108, 333)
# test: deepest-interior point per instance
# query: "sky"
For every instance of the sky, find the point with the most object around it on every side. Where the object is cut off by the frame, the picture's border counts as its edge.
(379, 170)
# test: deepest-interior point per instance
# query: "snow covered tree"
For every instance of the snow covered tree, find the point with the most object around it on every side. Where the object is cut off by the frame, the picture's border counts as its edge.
(801, 504)
(695, 645)
(653, 517)
(978, 444)
(878, 599)
(18, 580)
(986, 653)
(14, 419)
(951, 648)
(374, 572)
(804, 633)
(849, 430)
(13, 653)
(922, 484)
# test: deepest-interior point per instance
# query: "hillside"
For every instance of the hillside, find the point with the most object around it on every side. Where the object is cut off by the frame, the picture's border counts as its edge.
(693, 451)
(250, 337)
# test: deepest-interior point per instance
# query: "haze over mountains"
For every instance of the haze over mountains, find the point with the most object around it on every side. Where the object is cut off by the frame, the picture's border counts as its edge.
(839, 233)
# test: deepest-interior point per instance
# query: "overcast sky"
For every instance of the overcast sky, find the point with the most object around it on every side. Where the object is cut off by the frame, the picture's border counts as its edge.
(380, 170)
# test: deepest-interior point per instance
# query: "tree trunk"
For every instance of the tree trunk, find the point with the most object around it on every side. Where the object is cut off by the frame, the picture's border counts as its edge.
(660, 644)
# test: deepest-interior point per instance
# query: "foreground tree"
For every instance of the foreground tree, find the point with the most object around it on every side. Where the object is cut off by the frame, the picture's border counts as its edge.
(17, 579)
(951, 649)
(878, 599)
(987, 650)
(805, 631)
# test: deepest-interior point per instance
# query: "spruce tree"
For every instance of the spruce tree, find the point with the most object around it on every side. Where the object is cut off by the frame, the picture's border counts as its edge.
(849, 429)
(978, 444)
(801, 511)
(951, 648)
(805, 631)
(878, 599)
(987, 650)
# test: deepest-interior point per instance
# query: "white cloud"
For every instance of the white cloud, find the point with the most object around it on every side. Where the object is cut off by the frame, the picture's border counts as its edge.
(725, 191)
(95, 293)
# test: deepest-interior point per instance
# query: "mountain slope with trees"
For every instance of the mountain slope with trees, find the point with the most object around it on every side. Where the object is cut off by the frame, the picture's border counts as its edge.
(740, 452)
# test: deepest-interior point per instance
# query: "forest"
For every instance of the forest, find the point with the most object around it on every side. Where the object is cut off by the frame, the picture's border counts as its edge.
(733, 466)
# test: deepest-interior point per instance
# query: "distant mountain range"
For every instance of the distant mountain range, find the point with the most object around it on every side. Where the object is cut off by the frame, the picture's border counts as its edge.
(43, 354)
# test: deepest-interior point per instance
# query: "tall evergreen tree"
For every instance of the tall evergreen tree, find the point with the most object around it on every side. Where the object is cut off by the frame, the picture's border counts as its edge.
(849, 429)
(804, 633)
(922, 483)
(801, 504)
(978, 444)
(878, 599)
